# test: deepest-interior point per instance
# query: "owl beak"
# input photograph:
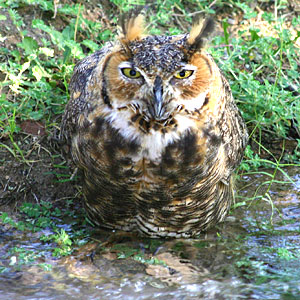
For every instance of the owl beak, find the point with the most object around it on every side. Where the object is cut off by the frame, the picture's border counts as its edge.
(156, 110)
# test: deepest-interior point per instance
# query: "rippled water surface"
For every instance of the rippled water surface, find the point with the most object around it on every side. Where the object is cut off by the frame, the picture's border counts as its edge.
(247, 257)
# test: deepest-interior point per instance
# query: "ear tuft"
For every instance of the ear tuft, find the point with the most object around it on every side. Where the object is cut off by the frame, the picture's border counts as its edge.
(201, 29)
(132, 26)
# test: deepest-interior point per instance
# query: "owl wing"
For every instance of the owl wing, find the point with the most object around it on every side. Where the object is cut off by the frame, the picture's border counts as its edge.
(233, 130)
(78, 89)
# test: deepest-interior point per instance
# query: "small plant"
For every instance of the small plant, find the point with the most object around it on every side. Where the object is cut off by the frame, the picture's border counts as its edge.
(62, 240)
(37, 72)
(47, 220)
(287, 254)
(124, 251)
(253, 269)
(20, 256)
(258, 80)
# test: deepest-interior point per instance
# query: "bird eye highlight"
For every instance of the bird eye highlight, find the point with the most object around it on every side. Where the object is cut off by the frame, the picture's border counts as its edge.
(131, 73)
(183, 74)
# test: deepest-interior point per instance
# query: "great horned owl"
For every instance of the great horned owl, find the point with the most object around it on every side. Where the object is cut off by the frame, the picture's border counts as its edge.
(154, 127)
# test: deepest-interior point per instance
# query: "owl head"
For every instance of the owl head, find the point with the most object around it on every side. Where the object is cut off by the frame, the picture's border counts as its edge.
(158, 75)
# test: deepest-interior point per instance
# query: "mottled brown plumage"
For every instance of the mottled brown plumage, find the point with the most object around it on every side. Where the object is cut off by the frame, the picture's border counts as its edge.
(153, 125)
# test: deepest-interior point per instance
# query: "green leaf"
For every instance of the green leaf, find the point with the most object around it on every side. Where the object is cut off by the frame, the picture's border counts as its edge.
(2, 18)
(66, 54)
(39, 72)
(47, 51)
(254, 35)
(45, 266)
(5, 218)
(90, 44)
(226, 34)
(29, 45)
(105, 35)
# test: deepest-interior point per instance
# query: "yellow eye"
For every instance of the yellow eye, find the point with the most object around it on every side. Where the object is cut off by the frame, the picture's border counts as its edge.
(183, 74)
(131, 73)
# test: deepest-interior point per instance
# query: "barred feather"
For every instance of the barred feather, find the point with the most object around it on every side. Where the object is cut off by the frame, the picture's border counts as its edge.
(156, 133)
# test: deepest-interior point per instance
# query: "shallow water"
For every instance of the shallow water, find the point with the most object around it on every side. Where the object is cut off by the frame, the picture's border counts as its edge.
(247, 257)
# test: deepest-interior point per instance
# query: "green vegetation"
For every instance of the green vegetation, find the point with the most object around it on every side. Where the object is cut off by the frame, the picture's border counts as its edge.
(262, 67)
(57, 239)
(123, 252)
